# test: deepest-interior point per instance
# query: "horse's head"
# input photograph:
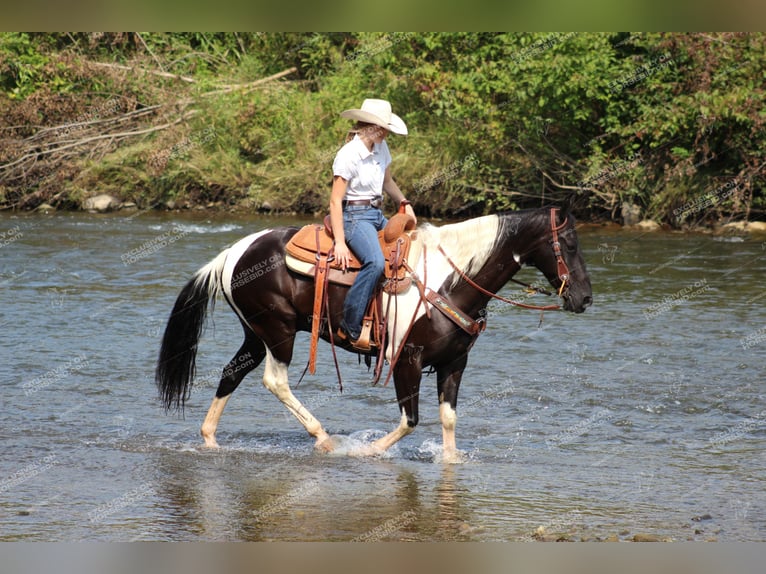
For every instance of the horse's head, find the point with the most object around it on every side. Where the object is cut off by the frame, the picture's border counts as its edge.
(560, 260)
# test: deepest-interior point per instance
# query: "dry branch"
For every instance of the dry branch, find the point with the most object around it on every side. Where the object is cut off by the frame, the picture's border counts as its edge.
(134, 69)
(250, 85)
(42, 155)
(127, 116)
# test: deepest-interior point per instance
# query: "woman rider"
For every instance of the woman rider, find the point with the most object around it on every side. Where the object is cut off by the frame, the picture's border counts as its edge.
(361, 173)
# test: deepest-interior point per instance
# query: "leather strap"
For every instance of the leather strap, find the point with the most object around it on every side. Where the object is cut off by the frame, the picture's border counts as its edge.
(377, 202)
(421, 301)
(447, 308)
(481, 289)
(561, 267)
(320, 281)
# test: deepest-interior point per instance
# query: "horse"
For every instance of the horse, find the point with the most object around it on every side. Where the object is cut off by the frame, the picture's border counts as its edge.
(465, 263)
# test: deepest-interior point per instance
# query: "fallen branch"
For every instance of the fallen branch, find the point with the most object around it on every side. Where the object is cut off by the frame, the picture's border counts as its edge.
(119, 135)
(225, 88)
(42, 155)
(134, 69)
(117, 119)
(250, 85)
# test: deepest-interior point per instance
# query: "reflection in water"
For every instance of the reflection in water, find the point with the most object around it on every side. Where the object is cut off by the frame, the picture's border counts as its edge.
(252, 497)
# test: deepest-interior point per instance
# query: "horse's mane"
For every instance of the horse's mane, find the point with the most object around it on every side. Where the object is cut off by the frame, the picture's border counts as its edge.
(468, 243)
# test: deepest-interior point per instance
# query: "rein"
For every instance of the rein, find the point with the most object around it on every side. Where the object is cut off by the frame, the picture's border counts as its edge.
(531, 288)
(445, 306)
(484, 291)
(562, 270)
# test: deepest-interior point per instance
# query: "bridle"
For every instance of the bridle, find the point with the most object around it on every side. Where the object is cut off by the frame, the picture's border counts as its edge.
(475, 326)
(561, 266)
(561, 269)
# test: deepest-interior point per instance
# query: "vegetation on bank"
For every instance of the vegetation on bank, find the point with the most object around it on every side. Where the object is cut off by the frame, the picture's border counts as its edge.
(670, 125)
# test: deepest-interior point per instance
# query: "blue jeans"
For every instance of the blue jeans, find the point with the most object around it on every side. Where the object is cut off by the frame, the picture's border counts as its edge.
(361, 225)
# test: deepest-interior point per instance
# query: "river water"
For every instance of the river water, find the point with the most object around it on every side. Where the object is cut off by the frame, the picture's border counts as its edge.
(644, 415)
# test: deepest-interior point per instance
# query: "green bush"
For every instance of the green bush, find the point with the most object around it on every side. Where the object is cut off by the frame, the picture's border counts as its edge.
(497, 120)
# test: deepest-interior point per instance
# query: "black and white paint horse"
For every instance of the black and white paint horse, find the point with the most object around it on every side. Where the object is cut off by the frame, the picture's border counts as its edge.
(273, 303)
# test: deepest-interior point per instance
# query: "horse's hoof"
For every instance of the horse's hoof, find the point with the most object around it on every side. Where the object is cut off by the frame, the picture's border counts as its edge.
(324, 445)
(453, 457)
(210, 442)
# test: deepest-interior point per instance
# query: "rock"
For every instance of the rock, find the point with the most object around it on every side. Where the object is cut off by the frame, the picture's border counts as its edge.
(129, 205)
(631, 213)
(646, 538)
(45, 207)
(648, 225)
(757, 226)
(101, 203)
(702, 517)
(612, 538)
(735, 226)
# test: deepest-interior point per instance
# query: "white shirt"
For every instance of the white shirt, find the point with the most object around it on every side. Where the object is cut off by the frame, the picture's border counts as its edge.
(364, 170)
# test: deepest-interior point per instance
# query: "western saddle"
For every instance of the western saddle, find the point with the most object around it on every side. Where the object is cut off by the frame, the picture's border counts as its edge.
(310, 253)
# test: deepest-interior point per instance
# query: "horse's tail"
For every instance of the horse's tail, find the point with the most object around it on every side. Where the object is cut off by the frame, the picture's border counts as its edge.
(178, 353)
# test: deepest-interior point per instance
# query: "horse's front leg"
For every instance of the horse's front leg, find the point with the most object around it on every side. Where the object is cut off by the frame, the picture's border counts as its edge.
(407, 374)
(447, 383)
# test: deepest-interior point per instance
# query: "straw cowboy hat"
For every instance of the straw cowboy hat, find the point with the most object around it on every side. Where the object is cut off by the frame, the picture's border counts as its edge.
(377, 112)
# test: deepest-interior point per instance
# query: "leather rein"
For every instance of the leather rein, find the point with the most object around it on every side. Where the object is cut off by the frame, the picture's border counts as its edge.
(446, 307)
(561, 269)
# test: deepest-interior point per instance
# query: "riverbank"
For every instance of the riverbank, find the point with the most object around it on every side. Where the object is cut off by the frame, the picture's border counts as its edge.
(496, 121)
(104, 203)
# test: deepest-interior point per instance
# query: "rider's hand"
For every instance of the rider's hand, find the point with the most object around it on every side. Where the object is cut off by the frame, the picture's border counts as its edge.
(342, 255)
(409, 211)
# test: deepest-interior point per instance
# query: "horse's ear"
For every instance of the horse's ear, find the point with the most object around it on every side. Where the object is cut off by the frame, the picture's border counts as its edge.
(566, 208)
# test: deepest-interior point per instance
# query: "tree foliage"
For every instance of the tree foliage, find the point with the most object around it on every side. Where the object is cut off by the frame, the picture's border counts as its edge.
(497, 120)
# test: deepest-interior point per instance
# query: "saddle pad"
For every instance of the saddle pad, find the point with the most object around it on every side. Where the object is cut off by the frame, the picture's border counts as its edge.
(308, 269)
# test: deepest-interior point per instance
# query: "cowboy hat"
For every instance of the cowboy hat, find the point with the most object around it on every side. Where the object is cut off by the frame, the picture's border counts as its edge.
(377, 112)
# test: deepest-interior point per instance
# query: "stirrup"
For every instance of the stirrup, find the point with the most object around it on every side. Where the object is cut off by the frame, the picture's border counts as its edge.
(363, 342)
(360, 344)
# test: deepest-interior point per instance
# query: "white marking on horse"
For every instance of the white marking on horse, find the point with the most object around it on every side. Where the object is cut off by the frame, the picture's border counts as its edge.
(386, 442)
(448, 417)
(275, 379)
(232, 255)
(469, 244)
(210, 424)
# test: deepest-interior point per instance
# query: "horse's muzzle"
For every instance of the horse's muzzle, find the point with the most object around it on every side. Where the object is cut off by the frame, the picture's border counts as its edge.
(574, 306)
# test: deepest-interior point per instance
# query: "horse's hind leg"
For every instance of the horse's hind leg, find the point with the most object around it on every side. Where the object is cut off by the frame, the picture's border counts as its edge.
(248, 357)
(275, 379)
